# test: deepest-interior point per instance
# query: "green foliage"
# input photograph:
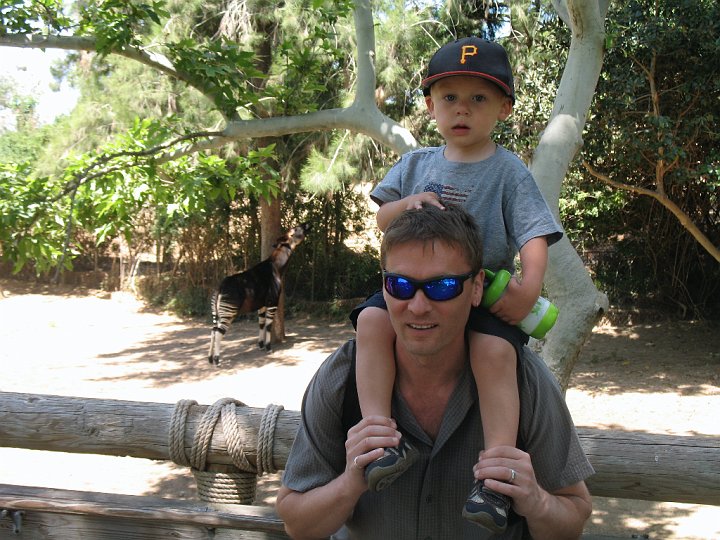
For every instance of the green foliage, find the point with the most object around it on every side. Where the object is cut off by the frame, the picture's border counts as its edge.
(22, 146)
(654, 126)
(323, 174)
(31, 229)
(116, 183)
(591, 213)
(112, 190)
(95, 175)
(116, 24)
(22, 17)
(221, 68)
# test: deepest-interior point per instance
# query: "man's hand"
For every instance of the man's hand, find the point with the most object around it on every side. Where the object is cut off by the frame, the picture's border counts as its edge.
(555, 515)
(366, 441)
(509, 471)
(321, 511)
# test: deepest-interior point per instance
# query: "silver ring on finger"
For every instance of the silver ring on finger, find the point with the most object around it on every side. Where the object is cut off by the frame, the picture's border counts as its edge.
(513, 474)
(356, 463)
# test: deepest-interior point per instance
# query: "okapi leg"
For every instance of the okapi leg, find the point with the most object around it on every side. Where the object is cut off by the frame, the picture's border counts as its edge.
(266, 315)
(223, 314)
(261, 327)
(216, 335)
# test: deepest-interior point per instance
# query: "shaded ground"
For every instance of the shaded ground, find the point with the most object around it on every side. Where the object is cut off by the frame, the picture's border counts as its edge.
(661, 377)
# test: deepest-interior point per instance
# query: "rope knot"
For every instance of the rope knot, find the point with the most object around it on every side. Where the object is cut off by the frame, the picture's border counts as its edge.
(238, 486)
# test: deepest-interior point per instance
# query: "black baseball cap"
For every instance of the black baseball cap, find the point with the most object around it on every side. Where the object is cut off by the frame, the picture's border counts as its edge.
(475, 57)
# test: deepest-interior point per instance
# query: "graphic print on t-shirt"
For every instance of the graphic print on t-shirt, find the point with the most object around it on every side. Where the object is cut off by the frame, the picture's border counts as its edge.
(448, 193)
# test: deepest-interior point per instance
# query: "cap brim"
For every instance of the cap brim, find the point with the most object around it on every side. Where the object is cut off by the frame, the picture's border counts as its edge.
(426, 83)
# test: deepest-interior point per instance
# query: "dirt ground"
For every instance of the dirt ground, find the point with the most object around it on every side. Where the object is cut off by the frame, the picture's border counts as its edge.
(659, 377)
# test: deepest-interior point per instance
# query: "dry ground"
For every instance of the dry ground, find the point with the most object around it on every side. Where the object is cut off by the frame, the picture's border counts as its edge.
(660, 377)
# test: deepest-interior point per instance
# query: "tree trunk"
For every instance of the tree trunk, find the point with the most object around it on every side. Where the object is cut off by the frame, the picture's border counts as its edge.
(568, 283)
(270, 229)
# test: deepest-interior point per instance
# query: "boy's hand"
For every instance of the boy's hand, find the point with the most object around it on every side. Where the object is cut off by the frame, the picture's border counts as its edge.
(390, 210)
(516, 302)
(415, 202)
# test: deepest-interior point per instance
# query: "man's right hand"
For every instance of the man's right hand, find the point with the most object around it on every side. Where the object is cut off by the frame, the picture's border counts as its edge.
(321, 511)
(366, 442)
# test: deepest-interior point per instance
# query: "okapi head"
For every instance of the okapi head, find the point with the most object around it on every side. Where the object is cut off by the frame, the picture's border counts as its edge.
(285, 244)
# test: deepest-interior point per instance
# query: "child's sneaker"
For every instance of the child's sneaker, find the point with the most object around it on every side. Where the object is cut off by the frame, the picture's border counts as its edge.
(384, 470)
(487, 508)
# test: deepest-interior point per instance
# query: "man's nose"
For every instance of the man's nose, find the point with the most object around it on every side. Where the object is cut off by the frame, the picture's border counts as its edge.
(419, 303)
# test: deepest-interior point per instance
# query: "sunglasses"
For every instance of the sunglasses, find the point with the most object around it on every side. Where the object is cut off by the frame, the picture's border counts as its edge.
(438, 289)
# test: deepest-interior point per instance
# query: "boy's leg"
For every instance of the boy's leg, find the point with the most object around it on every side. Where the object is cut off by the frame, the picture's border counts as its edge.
(375, 378)
(375, 362)
(494, 366)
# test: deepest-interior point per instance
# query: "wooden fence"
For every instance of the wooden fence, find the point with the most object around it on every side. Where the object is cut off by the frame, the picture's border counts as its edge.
(628, 465)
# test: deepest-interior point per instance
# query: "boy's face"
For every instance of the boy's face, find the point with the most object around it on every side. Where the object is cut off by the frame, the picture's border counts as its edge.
(466, 110)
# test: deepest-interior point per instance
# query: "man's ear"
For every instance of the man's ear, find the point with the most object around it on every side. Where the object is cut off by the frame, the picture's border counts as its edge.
(477, 285)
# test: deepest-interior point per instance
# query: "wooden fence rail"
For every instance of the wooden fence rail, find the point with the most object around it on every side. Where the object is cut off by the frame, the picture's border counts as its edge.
(628, 465)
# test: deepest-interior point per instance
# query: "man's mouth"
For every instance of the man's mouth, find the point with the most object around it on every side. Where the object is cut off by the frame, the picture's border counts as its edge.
(421, 326)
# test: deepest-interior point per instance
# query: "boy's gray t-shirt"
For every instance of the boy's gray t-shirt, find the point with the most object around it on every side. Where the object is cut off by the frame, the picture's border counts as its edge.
(499, 192)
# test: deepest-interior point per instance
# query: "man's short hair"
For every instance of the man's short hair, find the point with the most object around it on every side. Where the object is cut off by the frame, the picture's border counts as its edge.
(452, 226)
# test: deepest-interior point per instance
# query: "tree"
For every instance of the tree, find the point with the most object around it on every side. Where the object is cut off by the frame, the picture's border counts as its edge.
(653, 135)
(223, 73)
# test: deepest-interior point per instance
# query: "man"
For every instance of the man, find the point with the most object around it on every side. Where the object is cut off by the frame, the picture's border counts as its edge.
(432, 275)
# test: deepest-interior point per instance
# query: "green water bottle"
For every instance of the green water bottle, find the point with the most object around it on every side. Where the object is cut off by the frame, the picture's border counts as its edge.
(541, 318)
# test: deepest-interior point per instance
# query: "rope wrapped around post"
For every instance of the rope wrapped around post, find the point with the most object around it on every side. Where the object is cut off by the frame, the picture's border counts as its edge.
(234, 486)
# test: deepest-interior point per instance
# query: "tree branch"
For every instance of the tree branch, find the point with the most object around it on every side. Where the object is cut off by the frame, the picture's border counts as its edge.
(681, 216)
(363, 116)
(75, 43)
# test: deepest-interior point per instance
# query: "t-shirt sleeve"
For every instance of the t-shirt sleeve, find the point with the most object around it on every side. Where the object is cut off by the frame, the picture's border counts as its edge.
(390, 188)
(318, 452)
(528, 216)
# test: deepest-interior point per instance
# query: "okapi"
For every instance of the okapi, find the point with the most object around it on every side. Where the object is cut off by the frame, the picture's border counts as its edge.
(257, 288)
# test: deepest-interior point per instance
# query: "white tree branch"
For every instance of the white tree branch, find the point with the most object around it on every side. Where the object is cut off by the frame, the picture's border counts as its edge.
(75, 43)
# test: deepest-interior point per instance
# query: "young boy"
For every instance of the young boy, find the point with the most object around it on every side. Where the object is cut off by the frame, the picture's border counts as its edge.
(468, 89)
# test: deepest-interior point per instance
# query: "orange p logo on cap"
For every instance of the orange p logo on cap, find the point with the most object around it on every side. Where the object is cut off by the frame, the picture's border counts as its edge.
(467, 50)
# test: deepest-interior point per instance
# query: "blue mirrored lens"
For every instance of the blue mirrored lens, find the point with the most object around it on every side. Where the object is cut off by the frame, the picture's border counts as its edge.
(399, 287)
(443, 288)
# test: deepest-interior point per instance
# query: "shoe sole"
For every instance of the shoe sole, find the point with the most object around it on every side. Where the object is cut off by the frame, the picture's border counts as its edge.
(484, 520)
(379, 478)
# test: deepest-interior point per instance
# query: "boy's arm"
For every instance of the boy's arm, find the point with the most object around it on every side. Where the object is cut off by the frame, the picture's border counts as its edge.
(520, 296)
(390, 210)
